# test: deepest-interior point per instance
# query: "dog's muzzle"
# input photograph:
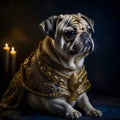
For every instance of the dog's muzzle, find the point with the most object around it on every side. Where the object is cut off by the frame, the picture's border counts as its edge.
(85, 39)
(87, 45)
(87, 42)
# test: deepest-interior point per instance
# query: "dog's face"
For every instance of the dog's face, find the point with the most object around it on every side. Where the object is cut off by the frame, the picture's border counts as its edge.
(71, 34)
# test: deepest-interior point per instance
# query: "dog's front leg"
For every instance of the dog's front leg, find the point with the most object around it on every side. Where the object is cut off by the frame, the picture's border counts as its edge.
(61, 107)
(85, 105)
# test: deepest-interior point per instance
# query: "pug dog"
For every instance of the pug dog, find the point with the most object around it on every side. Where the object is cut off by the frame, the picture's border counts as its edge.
(54, 75)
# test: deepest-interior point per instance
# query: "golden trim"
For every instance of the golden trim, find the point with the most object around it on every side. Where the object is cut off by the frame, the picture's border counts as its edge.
(52, 84)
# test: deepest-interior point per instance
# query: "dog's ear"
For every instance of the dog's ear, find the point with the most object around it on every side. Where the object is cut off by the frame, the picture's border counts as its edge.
(89, 21)
(49, 26)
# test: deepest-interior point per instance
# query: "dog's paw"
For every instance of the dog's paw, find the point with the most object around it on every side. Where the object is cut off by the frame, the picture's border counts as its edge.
(94, 113)
(74, 115)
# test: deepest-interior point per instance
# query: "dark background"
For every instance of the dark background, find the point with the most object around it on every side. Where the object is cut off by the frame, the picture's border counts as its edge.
(19, 21)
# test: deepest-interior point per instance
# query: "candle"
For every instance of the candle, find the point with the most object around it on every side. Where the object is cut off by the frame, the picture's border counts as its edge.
(7, 49)
(13, 60)
(13, 52)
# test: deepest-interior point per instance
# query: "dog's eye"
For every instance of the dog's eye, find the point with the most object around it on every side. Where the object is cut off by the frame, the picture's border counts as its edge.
(70, 34)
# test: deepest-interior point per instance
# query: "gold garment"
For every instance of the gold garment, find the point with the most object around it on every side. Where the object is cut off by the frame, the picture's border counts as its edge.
(38, 77)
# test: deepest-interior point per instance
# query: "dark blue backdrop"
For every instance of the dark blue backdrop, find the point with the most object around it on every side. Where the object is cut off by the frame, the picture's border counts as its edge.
(19, 27)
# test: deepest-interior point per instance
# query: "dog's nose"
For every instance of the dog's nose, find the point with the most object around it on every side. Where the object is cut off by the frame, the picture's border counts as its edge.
(85, 38)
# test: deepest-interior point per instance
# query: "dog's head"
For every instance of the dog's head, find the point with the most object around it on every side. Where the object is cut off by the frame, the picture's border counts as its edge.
(71, 33)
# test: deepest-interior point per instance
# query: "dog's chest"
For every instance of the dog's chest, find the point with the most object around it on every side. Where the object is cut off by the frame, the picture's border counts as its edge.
(48, 82)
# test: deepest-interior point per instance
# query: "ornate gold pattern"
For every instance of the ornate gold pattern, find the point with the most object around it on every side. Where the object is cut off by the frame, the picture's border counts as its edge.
(50, 82)
(54, 83)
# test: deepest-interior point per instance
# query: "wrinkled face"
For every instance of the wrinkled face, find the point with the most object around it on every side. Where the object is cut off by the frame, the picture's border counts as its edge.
(72, 35)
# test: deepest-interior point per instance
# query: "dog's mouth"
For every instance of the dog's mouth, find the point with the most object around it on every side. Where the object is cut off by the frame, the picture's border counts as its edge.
(72, 52)
(83, 45)
(86, 50)
(81, 49)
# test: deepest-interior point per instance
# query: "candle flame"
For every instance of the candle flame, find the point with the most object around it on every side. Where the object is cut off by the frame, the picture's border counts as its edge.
(13, 51)
(6, 45)
(12, 48)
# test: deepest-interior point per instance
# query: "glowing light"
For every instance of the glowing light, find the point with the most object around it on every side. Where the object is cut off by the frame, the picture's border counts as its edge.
(6, 47)
(12, 52)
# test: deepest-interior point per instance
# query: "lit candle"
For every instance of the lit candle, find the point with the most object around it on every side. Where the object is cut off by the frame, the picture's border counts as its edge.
(7, 49)
(13, 60)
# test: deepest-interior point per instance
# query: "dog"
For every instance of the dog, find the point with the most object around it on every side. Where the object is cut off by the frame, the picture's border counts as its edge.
(54, 75)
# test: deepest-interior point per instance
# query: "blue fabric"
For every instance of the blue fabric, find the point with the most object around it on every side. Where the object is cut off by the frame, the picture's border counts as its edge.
(109, 113)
